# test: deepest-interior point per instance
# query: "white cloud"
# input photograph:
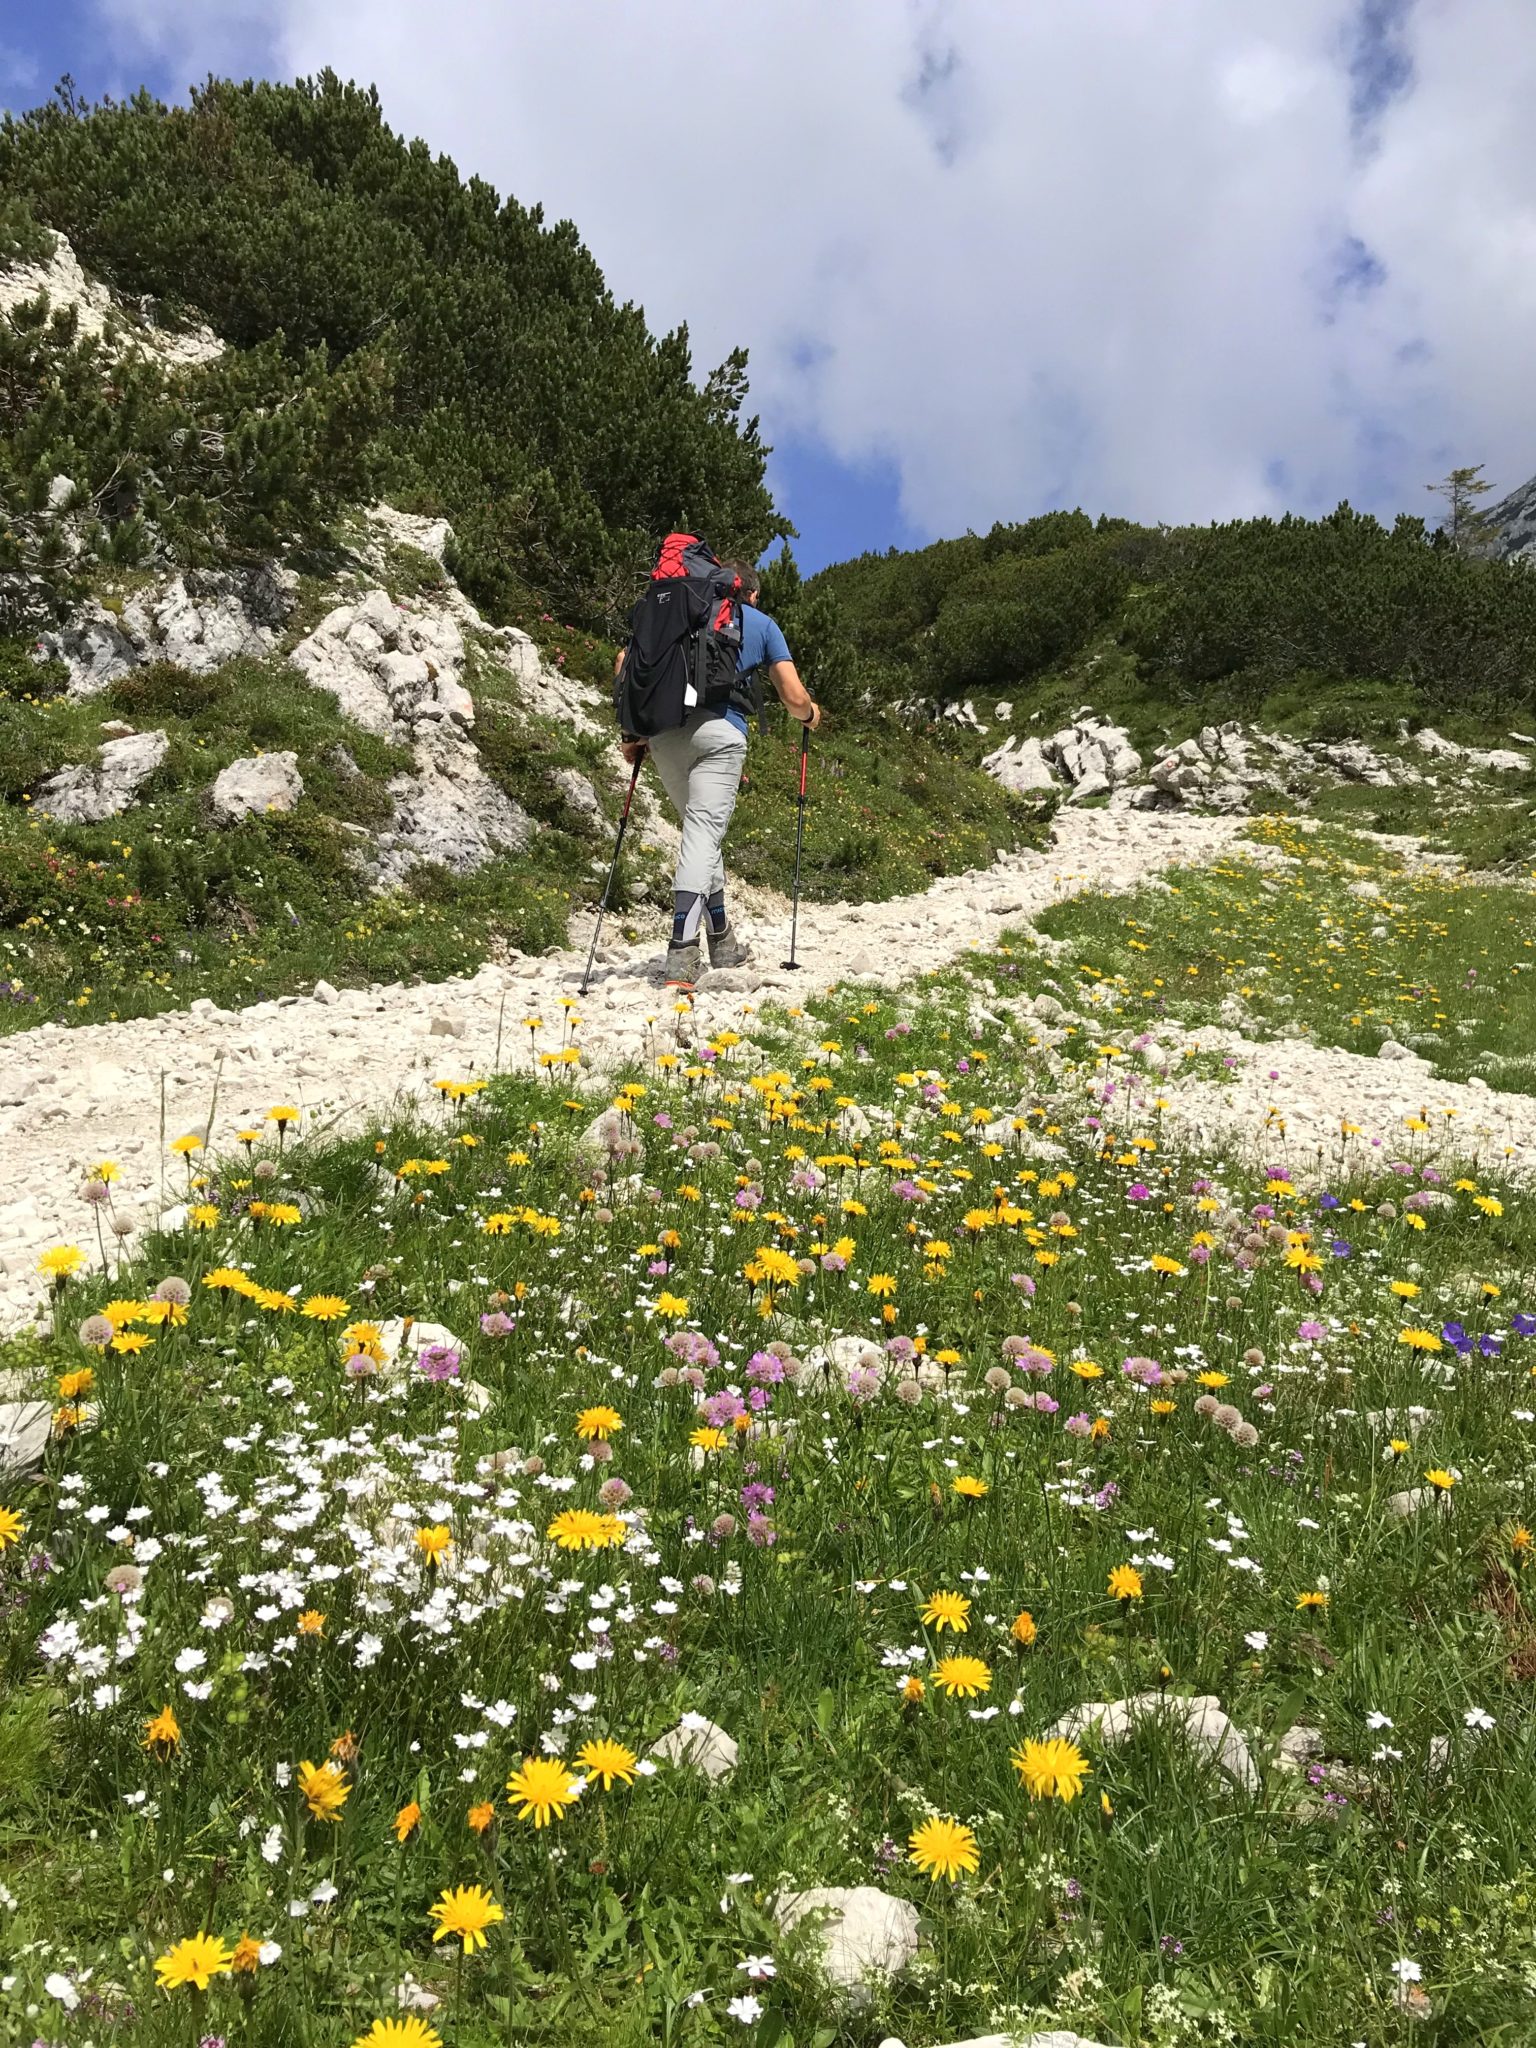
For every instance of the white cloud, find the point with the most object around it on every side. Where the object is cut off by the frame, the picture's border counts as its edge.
(1031, 255)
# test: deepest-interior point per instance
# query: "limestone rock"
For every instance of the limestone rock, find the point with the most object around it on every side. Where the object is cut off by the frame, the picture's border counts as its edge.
(198, 621)
(383, 663)
(79, 795)
(255, 785)
(699, 1745)
(1206, 1728)
(865, 1934)
(97, 312)
(1054, 2037)
(24, 1432)
(1299, 1746)
(1020, 766)
(449, 813)
(1389, 1049)
(579, 797)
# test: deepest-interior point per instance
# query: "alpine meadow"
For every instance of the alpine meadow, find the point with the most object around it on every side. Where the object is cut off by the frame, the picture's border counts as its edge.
(967, 1480)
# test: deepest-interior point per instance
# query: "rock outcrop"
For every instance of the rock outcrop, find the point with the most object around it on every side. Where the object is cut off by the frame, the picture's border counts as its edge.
(82, 795)
(1513, 522)
(255, 785)
(98, 311)
(197, 621)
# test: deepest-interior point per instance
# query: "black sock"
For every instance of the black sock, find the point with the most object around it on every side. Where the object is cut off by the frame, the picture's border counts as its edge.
(716, 908)
(687, 915)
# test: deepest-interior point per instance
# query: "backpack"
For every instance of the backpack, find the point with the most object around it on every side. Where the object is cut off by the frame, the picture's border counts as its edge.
(684, 640)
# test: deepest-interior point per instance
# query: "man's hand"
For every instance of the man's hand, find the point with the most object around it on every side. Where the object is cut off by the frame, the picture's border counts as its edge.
(813, 722)
(633, 751)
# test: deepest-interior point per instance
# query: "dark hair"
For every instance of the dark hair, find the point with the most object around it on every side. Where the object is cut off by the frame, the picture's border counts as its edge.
(751, 582)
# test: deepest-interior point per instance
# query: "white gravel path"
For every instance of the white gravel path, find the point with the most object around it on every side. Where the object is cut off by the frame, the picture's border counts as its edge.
(71, 1097)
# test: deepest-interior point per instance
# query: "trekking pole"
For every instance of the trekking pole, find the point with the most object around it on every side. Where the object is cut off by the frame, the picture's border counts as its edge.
(618, 848)
(794, 919)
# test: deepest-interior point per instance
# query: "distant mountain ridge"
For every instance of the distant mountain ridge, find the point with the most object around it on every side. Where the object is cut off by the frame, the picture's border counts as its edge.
(1514, 521)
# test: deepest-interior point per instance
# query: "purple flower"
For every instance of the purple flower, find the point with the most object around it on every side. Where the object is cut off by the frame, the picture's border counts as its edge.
(1042, 1403)
(1523, 1325)
(658, 1269)
(1200, 1186)
(1078, 1425)
(1026, 1285)
(1456, 1336)
(1311, 1332)
(833, 1262)
(907, 1190)
(662, 1120)
(438, 1362)
(1199, 1254)
(722, 1409)
(1341, 1248)
(1138, 1191)
(761, 1531)
(1329, 1202)
(863, 1383)
(755, 1496)
(1263, 1212)
(748, 1198)
(495, 1324)
(765, 1368)
(1490, 1346)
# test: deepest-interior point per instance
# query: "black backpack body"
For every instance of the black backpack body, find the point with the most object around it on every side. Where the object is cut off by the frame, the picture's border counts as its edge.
(684, 643)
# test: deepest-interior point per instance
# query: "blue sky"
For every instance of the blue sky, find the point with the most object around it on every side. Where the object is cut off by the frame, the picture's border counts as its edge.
(1196, 261)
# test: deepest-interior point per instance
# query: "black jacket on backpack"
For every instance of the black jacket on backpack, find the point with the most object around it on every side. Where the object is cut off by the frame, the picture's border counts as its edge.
(684, 643)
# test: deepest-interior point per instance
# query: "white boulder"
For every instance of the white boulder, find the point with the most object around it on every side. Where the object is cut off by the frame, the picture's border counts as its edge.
(1019, 765)
(1200, 1721)
(81, 795)
(255, 785)
(698, 1744)
(865, 1934)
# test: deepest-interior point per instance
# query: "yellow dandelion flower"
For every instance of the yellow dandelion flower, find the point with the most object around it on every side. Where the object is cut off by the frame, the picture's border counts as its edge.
(943, 1848)
(1051, 1769)
(196, 1961)
(324, 1789)
(466, 1910)
(608, 1762)
(965, 1676)
(541, 1788)
(947, 1611)
(1125, 1583)
(601, 1423)
(969, 1488)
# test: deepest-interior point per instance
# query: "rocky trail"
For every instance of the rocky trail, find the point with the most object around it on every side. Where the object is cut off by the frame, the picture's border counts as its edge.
(69, 1098)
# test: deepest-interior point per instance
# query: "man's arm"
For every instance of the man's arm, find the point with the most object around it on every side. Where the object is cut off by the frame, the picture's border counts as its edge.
(793, 694)
(632, 750)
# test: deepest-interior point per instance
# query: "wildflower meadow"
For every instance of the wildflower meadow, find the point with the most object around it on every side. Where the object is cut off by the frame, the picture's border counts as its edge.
(486, 1571)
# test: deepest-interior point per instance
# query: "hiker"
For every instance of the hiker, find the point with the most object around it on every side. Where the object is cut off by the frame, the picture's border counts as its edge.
(683, 690)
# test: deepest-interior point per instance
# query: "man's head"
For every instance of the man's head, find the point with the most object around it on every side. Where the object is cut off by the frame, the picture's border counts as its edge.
(747, 576)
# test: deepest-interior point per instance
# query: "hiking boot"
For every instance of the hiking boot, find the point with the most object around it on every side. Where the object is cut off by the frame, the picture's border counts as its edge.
(726, 950)
(683, 963)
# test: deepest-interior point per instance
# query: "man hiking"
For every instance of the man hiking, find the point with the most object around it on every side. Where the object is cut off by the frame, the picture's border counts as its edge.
(683, 689)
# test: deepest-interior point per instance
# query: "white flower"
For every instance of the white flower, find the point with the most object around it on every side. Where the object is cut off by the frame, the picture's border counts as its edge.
(1478, 1718)
(58, 1986)
(746, 2009)
(323, 1894)
(1405, 1971)
(272, 1844)
(759, 1967)
(190, 1660)
(1375, 1720)
(1256, 1639)
(269, 1952)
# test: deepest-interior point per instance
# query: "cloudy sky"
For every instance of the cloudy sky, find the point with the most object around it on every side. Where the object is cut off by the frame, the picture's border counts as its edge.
(1177, 259)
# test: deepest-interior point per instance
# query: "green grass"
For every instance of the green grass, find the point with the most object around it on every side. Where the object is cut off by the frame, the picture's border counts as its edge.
(1445, 966)
(1160, 1907)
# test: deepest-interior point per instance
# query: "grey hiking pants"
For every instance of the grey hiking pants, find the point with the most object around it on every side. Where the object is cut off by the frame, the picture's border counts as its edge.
(700, 765)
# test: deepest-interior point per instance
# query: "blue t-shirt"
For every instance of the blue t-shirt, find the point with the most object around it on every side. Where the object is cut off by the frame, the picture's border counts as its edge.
(762, 643)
